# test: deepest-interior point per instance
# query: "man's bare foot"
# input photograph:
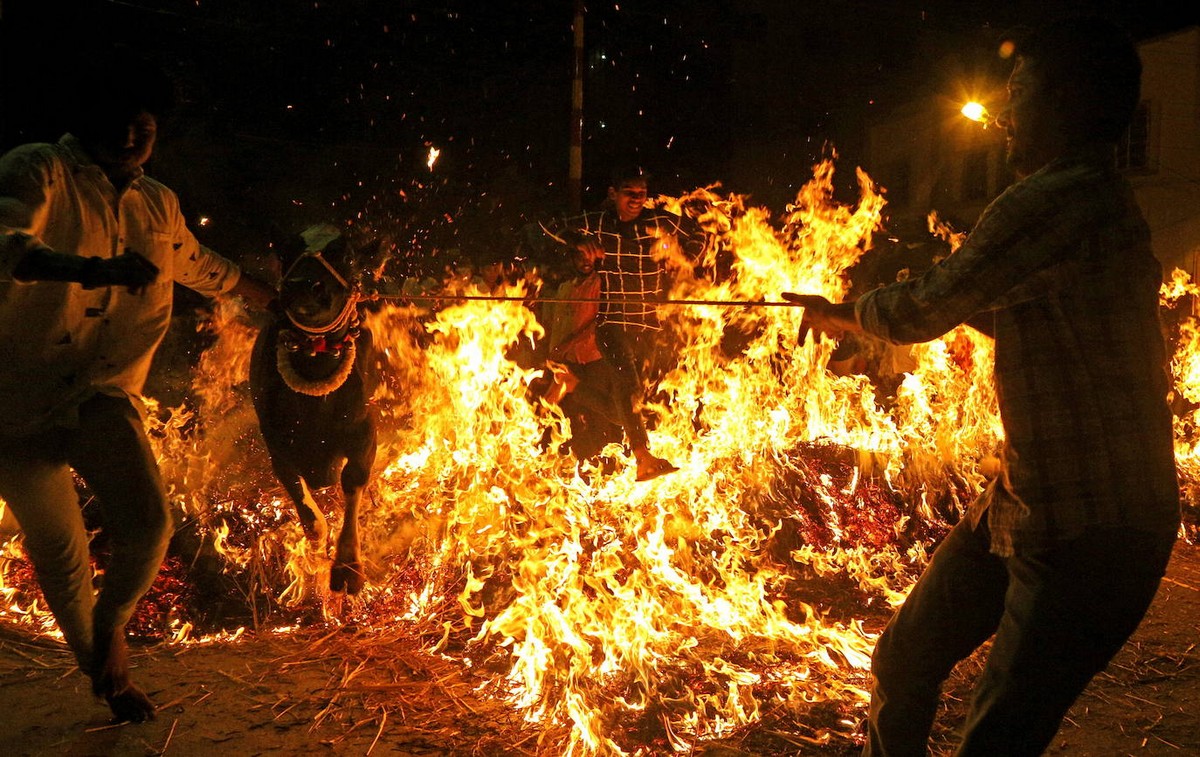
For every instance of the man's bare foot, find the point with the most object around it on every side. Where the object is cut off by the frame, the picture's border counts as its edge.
(110, 679)
(651, 467)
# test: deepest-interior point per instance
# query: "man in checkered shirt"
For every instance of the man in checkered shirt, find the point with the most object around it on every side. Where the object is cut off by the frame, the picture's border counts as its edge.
(632, 245)
(1059, 558)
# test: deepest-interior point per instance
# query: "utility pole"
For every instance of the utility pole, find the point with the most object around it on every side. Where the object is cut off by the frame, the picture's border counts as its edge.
(4, 58)
(575, 180)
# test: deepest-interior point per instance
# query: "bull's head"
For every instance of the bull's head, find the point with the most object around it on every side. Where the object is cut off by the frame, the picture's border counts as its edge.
(321, 277)
(316, 291)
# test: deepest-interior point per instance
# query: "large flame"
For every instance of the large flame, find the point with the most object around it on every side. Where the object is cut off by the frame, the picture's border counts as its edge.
(618, 613)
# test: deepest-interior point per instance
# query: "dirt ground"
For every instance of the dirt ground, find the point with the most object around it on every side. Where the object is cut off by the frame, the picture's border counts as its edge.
(304, 693)
(1148, 700)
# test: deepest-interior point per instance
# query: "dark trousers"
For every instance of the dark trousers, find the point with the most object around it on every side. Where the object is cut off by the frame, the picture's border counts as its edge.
(629, 352)
(1058, 618)
(598, 416)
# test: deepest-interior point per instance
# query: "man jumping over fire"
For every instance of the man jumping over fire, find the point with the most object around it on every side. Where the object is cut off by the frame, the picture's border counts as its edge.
(1059, 558)
(628, 244)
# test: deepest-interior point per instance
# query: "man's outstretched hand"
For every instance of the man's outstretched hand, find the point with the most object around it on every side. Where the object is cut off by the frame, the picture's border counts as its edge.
(833, 319)
(40, 263)
(132, 270)
(257, 293)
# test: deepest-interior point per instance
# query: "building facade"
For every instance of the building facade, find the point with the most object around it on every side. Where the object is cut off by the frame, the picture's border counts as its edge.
(930, 158)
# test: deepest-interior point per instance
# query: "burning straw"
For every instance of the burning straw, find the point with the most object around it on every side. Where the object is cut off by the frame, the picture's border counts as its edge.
(612, 616)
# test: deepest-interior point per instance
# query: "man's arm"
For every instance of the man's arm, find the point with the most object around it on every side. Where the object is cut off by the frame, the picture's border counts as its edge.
(40, 263)
(1025, 245)
(25, 181)
(202, 270)
(27, 176)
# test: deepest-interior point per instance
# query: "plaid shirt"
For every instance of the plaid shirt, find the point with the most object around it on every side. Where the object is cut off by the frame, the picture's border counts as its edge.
(1059, 271)
(632, 271)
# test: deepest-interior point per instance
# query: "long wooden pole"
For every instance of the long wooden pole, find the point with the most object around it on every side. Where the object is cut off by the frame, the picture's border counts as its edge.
(578, 300)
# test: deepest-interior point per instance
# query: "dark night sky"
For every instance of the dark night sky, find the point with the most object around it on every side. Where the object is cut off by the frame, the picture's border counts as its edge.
(297, 110)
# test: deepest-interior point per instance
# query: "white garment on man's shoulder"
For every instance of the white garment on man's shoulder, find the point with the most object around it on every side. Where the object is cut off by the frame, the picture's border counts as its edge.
(62, 342)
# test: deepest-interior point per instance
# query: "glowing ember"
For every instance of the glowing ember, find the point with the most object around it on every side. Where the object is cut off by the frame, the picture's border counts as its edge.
(433, 156)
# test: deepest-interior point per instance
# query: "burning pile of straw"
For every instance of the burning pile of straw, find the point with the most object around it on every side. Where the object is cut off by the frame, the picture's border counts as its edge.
(609, 614)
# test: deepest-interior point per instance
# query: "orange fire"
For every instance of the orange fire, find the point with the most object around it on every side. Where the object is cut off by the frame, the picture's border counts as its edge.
(678, 609)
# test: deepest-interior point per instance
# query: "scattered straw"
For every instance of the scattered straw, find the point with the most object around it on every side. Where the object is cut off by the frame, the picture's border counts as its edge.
(382, 723)
(171, 733)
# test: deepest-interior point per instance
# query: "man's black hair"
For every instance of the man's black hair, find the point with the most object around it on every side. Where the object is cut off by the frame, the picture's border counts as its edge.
(627, 172)
(115, 83)
(1095, 68)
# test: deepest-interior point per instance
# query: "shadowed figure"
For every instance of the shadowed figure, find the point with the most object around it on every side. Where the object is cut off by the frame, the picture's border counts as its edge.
(311, 379)
(1059, 557)
(91, 248)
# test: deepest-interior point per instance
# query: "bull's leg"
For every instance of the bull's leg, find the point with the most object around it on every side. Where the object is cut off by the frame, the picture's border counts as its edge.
(347, 572)
(312, 520)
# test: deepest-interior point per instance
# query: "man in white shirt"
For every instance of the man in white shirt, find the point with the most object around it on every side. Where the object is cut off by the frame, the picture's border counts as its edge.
(90, 250)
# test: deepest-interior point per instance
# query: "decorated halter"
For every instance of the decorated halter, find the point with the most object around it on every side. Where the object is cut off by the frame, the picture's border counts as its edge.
(334, 336)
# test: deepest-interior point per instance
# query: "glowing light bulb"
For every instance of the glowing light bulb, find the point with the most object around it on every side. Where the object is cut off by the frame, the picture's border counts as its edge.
(976, 112)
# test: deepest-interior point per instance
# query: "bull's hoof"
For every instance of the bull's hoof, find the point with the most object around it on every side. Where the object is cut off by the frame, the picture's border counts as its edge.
(347, 577)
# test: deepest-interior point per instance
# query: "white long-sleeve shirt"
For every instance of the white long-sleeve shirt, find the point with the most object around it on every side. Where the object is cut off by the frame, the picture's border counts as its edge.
(61, 343)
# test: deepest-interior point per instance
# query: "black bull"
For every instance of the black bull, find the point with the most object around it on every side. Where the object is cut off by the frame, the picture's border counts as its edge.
(312, 375)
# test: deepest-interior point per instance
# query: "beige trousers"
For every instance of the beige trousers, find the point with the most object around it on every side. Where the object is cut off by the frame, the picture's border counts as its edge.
(110, 453)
